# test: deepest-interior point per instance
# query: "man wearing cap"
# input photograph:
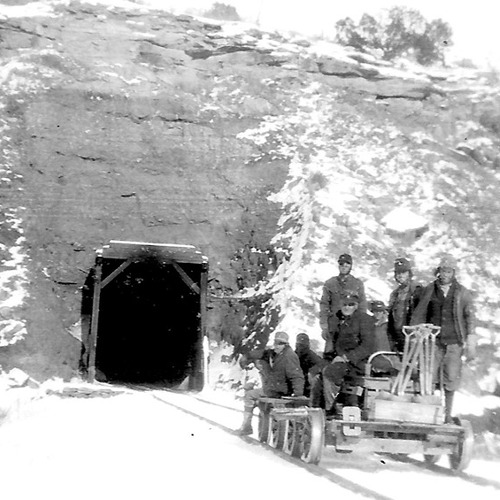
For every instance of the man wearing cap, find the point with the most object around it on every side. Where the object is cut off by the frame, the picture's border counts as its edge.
(402, 302)
(448, 304)
(331, 298)
(310, 362)
(281, 376)
(379, 311)
(352, 342)
(382, 342)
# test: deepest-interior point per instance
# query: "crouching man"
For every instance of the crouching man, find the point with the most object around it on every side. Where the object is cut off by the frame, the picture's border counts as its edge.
(281, 376)
(352, 342)
(310, 362)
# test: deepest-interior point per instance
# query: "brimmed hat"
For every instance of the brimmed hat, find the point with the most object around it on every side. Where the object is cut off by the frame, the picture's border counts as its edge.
(377, 305)
(447, 261)
(281, 337)
(349, 297)
(402, 265)
(345, 258)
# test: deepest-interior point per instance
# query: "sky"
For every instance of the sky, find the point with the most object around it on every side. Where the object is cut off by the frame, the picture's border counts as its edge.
(474, 23)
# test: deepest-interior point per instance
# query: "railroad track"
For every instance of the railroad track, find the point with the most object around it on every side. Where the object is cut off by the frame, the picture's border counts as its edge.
(354, 472)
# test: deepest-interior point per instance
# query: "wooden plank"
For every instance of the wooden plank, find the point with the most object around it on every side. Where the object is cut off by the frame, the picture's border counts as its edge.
(371, 445)
(128, 244)
(404, 411)
(401, 427)
(95, 319)
(203, 325)
(116, 272)
(183, 258)
(197, 379)
(382, 383)
(189, 282)
(180, 253)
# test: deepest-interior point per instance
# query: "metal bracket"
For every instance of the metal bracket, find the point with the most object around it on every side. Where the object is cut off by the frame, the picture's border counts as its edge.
(353, 415)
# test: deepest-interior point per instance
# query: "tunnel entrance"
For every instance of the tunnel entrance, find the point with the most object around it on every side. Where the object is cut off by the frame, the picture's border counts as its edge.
(148, 314)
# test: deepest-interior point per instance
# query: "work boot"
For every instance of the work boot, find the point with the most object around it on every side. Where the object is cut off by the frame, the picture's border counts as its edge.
(335, 410)
(448, 405)
(246, 426)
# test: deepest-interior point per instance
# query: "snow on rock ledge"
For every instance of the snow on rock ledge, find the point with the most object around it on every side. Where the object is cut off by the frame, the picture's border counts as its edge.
(402, 220)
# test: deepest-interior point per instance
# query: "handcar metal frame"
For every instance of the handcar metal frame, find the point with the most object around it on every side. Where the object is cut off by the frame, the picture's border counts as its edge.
(409, 420)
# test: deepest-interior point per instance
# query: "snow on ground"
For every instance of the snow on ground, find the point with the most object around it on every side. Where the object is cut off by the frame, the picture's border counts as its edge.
(132, 446)
(30, 9)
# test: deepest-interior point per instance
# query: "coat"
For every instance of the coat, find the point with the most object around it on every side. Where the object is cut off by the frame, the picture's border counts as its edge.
(311, 364)
(410, 303)
(463, 311)
(354, 337)
(382, 342)
(331, 301)
(309, 360)
(281, 373)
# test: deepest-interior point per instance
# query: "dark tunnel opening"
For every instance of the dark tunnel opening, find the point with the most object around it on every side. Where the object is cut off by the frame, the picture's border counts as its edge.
(149, 323)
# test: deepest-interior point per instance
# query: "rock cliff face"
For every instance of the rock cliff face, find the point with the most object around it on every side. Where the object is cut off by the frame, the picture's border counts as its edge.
(133, 125)
(119, 128)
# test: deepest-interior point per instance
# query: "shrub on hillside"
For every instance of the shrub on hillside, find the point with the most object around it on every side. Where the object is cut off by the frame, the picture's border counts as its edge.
(490, 119)
(401, 31)
(222, 12)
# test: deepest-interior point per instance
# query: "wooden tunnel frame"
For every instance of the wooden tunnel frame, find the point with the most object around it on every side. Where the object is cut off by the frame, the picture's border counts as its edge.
(176, 255)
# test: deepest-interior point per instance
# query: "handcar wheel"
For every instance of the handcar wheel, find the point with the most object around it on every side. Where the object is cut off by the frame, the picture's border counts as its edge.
(263, 429)
(312, 437)
(291, 445)
(461, 457)
(275, 432)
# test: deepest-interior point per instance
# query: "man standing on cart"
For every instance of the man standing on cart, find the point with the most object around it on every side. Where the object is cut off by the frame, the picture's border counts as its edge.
(448, 304)
(402, 302)
(352, 342)
(281, 376)
(330, 302)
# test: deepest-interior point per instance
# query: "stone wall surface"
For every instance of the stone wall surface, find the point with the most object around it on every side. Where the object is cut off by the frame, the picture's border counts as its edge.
(117, 136)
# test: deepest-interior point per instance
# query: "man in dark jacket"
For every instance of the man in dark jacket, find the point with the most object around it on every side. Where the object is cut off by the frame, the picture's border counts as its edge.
(330, 302)
(448, 304)
(353, 342)
(402, 302)
(281, 376)
(310, 362)
(382, 363)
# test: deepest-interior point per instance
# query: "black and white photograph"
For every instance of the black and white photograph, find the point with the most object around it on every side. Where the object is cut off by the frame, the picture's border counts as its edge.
(249, 249)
